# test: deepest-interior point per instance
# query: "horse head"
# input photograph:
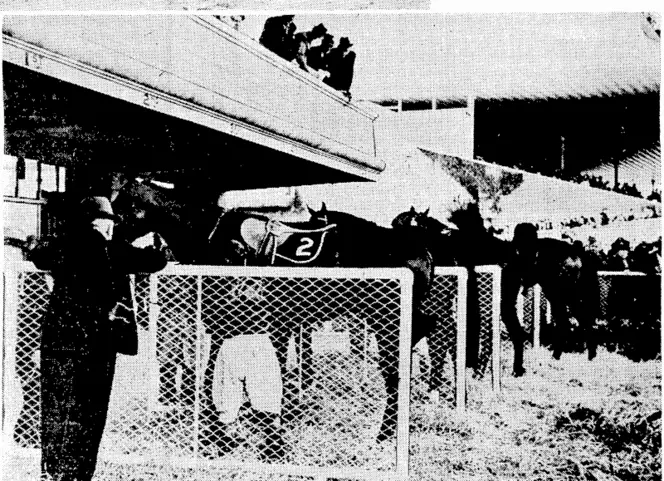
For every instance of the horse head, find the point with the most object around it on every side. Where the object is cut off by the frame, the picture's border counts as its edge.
(144, 205)
(420, 220)
(407, 219)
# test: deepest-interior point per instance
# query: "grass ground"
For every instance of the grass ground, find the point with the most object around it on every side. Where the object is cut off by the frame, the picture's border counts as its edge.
(564, 420)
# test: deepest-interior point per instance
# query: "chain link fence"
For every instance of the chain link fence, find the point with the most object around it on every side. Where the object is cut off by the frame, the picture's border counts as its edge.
(440, 363)
(240, 370)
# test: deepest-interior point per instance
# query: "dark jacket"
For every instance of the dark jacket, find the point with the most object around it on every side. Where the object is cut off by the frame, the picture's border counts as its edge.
(317, 57)
(90, 276)
(277, 37)
(341, 65)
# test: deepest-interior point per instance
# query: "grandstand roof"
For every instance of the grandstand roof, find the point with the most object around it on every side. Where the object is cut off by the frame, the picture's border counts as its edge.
(641, 169)
(538, 198)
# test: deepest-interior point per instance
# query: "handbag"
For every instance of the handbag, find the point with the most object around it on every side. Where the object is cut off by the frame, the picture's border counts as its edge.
(123, 325)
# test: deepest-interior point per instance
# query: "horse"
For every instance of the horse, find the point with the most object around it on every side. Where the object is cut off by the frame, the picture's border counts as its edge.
(265, 236)
(349, 241)
(461, 242)
(568, 277)
(360, 243)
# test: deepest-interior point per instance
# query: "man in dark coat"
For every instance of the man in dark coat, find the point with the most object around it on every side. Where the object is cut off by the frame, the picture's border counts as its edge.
(277, 36)
(341, 63)
(303, 41)
(77, 349)
(317, 56)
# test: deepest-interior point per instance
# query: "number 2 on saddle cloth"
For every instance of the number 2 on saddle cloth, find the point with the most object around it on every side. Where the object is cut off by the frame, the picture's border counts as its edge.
(285, 245)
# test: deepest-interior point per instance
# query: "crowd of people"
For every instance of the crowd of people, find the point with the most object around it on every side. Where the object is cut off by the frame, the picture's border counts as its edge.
(622, 256)
(598, 182)
(603, 219)
(313, 51)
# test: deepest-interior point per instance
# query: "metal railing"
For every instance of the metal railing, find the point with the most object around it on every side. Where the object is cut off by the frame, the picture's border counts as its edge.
(334, 393)
(160, 412)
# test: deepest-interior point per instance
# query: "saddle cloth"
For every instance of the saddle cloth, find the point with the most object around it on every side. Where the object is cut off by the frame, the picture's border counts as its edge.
(284, 244)
(302, 246)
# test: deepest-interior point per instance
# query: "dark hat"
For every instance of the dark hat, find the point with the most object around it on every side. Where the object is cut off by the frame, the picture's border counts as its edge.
(97, 208)
(621, 244)
(525, 232)
(328, 38)
(319, 30)
(282, 18)
(344, 42)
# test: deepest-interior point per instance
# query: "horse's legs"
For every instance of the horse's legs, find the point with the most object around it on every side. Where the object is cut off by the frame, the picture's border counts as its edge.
(388, 343)
(559, 316)
(169, 354)
(473, 320)
(509, 293)
(304, 352)
(444, 328)
(209, 417)
(281, 329)
(585, 307)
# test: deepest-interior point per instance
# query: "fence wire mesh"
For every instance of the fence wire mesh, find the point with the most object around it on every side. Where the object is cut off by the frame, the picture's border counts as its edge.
(435, 362)
(236, 370)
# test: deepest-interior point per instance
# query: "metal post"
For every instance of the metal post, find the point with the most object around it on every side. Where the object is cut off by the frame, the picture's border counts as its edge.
(470, 111)
(10, 296)
(298, 358)
(403, 409)
(537, 298)
(153, 357)
(199, 369)
(365, 352)
(495, 320)
(462, 295)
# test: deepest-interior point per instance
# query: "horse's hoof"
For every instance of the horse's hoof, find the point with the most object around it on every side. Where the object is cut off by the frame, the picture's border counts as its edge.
(518, 372)
(592, 353)
(557, 355)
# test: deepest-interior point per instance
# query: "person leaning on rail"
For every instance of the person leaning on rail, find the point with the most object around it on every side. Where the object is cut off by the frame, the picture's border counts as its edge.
(80, 335)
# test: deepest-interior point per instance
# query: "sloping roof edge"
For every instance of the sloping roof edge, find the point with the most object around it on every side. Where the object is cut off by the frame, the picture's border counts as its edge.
(246, 124)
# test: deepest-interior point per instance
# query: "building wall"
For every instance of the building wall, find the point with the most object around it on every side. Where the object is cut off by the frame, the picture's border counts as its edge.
(443, 130)
(23, 192)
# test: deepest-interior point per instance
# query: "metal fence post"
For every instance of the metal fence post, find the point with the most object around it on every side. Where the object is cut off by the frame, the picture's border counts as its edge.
(8, 347)
(405, 348)
(300, 364)
(495, 331)
(199, 367)
(537, 298)
(462, 296)
(153, 357)
(365, 351)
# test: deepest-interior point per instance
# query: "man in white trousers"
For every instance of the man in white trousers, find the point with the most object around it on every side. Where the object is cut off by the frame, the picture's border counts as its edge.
(247, 365)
